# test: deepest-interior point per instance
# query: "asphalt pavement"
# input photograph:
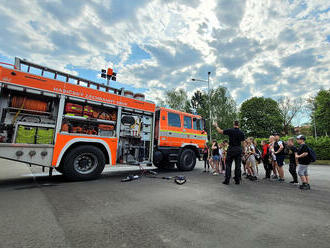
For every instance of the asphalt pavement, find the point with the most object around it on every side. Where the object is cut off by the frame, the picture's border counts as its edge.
(41, 211)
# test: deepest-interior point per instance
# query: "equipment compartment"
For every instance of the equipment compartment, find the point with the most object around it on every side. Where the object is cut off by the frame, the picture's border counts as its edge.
(23, 112)
(135, 138)
(89, 119)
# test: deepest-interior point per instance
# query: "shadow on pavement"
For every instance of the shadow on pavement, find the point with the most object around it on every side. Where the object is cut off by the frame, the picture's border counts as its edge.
(40, 180)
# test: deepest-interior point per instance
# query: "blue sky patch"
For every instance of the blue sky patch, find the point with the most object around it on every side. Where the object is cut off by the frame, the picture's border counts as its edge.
(137, 55)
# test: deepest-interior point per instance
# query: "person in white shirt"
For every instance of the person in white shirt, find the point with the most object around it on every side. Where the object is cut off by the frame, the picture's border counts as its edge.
(251, 158)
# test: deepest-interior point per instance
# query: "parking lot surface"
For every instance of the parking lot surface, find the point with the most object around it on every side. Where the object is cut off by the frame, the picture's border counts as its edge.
(41, 211)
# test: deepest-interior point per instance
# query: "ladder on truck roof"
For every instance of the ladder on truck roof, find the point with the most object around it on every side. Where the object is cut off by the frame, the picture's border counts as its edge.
(88, 83)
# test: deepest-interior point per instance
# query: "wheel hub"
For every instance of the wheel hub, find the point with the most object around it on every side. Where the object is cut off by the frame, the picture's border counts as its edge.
(85, 163)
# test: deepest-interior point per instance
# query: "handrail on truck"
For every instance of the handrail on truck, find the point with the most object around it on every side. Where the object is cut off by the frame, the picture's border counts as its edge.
(19, 62)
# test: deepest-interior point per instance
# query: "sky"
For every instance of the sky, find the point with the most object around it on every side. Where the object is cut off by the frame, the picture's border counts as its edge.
(269, 48)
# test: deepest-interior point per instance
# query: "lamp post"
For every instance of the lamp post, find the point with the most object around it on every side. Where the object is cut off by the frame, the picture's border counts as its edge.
(208, 90)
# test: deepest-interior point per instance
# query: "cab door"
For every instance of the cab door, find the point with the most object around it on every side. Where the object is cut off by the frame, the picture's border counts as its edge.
(171, 129)
(199, 134)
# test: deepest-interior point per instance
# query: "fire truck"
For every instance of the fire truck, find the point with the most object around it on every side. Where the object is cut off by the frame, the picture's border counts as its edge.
(77, 126)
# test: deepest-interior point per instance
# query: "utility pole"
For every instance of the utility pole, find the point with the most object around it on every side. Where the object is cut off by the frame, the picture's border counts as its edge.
(315, 133)
(209, 101)
(209, 93)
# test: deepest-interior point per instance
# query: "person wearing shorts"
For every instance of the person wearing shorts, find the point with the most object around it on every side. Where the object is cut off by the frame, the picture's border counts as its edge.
(279, 153)
(215, 157)
(272, 156)
(303, 161)
(251, 160)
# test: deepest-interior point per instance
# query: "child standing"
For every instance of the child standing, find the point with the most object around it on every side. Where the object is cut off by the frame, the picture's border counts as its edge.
(224, 154)
(215, 157)
(206, 158)
(221, 158)
(303, 160)
(292, 150)
(265, 159)
(272, 155)
(251, 161)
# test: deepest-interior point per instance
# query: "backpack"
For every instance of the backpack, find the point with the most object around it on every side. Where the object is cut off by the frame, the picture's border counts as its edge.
(285, 148)
(311, 155)
(257, 154)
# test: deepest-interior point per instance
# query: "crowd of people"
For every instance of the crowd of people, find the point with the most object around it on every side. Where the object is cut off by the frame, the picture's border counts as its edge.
(272, 155)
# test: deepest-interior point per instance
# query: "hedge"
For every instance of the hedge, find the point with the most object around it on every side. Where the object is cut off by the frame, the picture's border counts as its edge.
(321, 145)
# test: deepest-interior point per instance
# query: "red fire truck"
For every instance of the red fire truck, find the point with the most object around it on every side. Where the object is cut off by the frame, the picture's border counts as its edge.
(57, 120)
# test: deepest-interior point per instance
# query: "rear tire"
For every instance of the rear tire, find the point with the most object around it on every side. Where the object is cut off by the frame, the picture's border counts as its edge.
(187, 160)
(84, 162)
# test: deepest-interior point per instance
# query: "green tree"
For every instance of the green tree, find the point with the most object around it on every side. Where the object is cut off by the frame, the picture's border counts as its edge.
(223, 108)
(260, 117)
(321, 112)
(176, 99)
(289, 109)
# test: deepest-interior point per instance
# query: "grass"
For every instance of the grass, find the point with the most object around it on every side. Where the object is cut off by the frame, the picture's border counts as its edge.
(318, 162)
(322, 162)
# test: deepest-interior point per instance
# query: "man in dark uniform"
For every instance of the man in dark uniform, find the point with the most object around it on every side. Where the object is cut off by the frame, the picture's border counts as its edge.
(234, 152)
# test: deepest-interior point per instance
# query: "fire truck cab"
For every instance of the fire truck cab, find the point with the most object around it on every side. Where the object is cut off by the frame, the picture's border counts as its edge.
(179, 139)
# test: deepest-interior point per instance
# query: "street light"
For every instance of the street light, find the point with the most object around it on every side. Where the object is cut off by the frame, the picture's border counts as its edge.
(208, 89)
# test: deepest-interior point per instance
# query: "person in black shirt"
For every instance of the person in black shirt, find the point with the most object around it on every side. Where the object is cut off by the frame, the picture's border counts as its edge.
(206, 158)
(265, 156)
(236, 136)
(303, 159)
(292, 150)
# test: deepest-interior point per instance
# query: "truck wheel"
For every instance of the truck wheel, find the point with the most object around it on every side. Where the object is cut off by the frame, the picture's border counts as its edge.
(83, 163)
(187, 160)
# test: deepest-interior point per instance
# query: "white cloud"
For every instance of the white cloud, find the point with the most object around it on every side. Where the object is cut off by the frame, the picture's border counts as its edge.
(253, 47)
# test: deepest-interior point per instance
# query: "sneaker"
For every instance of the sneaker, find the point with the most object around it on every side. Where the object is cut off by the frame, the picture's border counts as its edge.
(244, 174)
(254, 178)
(281, 180)
(308, 187)
(237, 180)
(274, 177)
(294, 182)
(215, 174)
(303, 186)
(204, 171)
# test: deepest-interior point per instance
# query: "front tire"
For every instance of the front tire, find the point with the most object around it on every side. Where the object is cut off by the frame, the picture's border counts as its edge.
(187, 160)
(83, 163)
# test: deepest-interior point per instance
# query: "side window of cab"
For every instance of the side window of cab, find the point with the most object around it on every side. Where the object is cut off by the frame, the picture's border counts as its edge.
(187, 122)
(174, 120)
(198, 124)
